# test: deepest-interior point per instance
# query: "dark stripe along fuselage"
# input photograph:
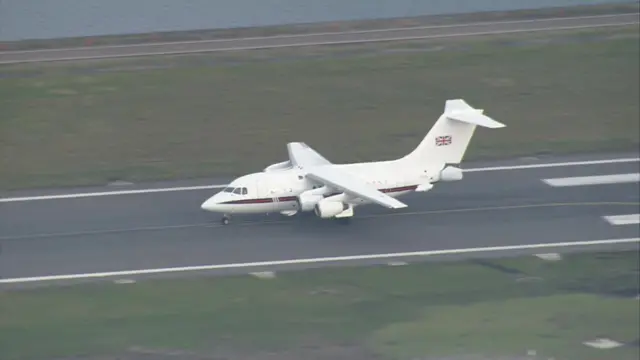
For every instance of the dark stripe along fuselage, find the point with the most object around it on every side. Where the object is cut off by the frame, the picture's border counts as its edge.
(294, 198)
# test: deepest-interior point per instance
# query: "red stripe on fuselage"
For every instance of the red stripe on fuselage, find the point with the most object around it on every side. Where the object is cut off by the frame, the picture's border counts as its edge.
(294, 198)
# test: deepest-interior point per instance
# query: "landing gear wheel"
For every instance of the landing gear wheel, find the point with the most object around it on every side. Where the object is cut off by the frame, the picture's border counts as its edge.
(225, 220)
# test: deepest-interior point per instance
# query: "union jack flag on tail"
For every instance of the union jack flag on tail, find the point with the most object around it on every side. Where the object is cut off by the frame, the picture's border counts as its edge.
(443, 140)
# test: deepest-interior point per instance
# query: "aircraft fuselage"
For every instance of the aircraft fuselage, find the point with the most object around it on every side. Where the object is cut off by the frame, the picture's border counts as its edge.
(279, 190)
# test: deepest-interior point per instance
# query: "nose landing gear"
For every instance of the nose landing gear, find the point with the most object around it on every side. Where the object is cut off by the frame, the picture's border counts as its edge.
(225, 220)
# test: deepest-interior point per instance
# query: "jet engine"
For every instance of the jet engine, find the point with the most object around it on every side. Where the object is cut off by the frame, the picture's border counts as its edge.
(308, 200)
(327, 209)
(450, 173)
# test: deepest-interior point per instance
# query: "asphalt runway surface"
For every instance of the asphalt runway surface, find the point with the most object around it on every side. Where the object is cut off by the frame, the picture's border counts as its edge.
(351, 37)
(168, 229)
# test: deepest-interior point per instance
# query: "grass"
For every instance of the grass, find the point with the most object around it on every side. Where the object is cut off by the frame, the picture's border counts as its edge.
(554, 326)
(494, 308)
(215, 115)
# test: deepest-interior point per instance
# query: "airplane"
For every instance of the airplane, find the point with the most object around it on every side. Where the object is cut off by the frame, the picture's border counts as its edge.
(307, 181)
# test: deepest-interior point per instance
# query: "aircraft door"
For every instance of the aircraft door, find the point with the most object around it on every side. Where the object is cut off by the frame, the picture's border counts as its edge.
(253, 190)
(276, 192)
(273, 194)
(267, 190)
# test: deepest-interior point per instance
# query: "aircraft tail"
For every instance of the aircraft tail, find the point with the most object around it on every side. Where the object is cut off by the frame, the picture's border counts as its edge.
(448, 139)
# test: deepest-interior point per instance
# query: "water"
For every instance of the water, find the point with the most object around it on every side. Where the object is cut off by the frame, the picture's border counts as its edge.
(41, 19)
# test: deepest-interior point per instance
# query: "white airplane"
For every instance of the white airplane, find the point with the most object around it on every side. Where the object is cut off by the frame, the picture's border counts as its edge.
(309, 182)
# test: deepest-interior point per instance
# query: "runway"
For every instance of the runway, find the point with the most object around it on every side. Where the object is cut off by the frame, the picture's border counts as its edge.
(491, 206)
(351, 37)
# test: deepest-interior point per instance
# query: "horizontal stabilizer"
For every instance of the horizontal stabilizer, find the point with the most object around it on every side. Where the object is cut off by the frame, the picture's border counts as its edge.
(460, 110)
(475, 117)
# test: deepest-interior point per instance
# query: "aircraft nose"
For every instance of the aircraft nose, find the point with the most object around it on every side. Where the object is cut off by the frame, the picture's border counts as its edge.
(211, 204)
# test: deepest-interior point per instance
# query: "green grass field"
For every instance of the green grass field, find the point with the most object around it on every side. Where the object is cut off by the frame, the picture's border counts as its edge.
(226, 114)
(499, 309)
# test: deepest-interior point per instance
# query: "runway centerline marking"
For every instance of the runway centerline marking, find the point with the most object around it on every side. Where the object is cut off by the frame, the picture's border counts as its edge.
(219, 186)
(628, 219)
(506, 207)
(102, 232)
(318, 260)
(593, 180)
(276, 222)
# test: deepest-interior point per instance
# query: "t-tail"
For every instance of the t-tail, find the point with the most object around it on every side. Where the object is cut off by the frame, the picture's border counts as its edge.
(448, 139)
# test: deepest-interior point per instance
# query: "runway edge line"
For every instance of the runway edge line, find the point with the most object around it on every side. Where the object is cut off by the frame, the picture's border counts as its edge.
(317, 260)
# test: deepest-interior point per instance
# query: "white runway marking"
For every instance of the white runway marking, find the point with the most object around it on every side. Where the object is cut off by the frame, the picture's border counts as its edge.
(551, 165)
(630, 219)
(593, 180)
(219, 186)
(397, 263)
(124, 281)
(550, 256)
(603, 343)
(264, 274)
(110, 193)
(317, 260)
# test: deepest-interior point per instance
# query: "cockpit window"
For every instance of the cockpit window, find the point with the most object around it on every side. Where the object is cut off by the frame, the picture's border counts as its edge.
(238, 190)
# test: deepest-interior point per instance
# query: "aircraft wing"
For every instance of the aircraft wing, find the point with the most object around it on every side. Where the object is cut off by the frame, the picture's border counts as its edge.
(302, 156)
(342, 181)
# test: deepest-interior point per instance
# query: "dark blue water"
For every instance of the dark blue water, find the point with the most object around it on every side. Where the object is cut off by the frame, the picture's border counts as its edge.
(41, 19)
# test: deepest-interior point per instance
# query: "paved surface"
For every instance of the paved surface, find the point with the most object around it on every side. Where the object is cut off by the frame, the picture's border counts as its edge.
(160, 230)
(185, 47)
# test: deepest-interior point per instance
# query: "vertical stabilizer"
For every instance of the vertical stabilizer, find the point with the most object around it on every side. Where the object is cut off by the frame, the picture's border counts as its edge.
(448, 139)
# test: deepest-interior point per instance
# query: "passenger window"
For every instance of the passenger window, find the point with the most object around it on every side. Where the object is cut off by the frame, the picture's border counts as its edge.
(244, 191)
(237, 191)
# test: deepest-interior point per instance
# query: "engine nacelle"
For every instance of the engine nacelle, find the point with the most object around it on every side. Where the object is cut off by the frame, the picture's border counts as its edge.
(308, 200)
(424, 187)
(328, 209)
(450, 173)
(278, 166)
